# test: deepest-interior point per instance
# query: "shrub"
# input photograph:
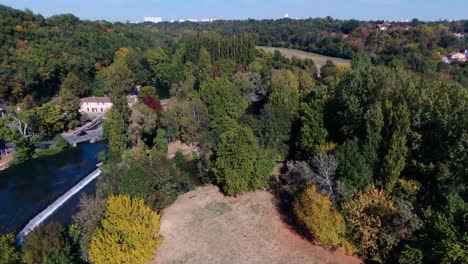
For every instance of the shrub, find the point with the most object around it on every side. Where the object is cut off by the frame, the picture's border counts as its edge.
(317, 214)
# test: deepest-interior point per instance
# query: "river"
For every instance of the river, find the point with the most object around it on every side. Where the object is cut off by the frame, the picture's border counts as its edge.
(26, 189)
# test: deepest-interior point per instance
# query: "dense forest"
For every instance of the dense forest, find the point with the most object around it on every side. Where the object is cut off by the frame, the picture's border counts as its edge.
(373, 157)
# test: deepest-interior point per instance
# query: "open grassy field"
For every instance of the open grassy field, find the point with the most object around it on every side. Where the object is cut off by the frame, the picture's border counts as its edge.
(318, 59)
(204, 226)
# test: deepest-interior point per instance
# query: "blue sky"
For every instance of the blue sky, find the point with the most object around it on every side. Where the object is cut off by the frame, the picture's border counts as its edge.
(134, 10)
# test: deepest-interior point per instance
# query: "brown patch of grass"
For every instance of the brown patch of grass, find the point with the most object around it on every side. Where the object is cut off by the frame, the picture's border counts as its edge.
(204, 226)
(318, 59)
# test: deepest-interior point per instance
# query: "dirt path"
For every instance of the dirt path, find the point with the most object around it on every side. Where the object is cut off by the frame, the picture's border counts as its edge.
(203, 226)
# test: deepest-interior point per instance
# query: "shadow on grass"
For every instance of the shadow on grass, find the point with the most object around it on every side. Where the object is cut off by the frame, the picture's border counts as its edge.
(284, 202)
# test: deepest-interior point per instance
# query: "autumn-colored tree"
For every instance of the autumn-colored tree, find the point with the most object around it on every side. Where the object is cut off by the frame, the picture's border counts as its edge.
(153, 103)
(128, 233)
(316, 212)
(377, 223)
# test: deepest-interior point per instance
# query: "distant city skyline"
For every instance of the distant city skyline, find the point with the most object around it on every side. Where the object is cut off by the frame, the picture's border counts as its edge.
(168, 10)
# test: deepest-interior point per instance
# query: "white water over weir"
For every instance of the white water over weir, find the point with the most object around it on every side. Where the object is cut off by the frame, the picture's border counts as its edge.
(38, 219)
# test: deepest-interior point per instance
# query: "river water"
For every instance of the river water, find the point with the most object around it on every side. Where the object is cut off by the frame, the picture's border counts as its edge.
(27, 189)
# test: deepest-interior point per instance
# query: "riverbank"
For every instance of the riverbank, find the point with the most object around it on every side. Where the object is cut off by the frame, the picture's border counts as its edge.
(6, 161)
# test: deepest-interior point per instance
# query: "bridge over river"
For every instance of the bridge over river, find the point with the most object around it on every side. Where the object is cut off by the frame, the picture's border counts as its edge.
(89, 132)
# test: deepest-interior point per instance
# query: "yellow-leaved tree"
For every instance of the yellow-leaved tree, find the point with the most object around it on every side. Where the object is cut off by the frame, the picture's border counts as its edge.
(316, 212)
(128, 232)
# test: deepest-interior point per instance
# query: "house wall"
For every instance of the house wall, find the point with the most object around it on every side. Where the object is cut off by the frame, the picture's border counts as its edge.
(94, 109)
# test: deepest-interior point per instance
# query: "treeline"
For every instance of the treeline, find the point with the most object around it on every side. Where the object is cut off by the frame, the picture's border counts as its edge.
(239, 48)
(416, 45)
(36, 53)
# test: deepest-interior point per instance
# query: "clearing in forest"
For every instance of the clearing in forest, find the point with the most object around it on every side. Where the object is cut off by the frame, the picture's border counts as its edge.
(204, 226)
(318, 59)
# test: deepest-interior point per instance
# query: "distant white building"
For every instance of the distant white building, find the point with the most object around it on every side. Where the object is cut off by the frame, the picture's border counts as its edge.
(153, 19)
(286, 15)
(459, 35)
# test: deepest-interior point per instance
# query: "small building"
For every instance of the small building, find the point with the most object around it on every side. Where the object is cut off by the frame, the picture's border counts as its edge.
(458, 57)
(95, 106)
(459, 35)
(98, 106)
(383, 26)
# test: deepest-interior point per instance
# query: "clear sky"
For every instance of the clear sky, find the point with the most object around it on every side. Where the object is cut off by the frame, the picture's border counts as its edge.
(135, 10)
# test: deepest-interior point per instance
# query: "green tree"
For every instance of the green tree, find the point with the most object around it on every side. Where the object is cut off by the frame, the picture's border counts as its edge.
(73, 84)
(284, 90)
(8, 252)
(70, 106)
(127, 233)
(273, 128)
(394, 159)
(23, 151)
(352, 171)
(115, 133)
(51, 119)
(374, 125)
(116, 80)
(241, 165)
(205, 68)
(46, 244)
(163, 70)
(225, 104)
(160, 142)
(312, 131)
(445, 236)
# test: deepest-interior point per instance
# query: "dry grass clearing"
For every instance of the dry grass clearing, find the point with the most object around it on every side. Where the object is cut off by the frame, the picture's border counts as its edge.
(204, 226)
(318, 59)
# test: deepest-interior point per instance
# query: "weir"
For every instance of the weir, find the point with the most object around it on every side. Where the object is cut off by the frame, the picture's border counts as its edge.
(38, 219)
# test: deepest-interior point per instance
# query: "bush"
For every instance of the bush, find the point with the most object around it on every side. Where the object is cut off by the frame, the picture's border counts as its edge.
(317, 214)
(60, 142)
